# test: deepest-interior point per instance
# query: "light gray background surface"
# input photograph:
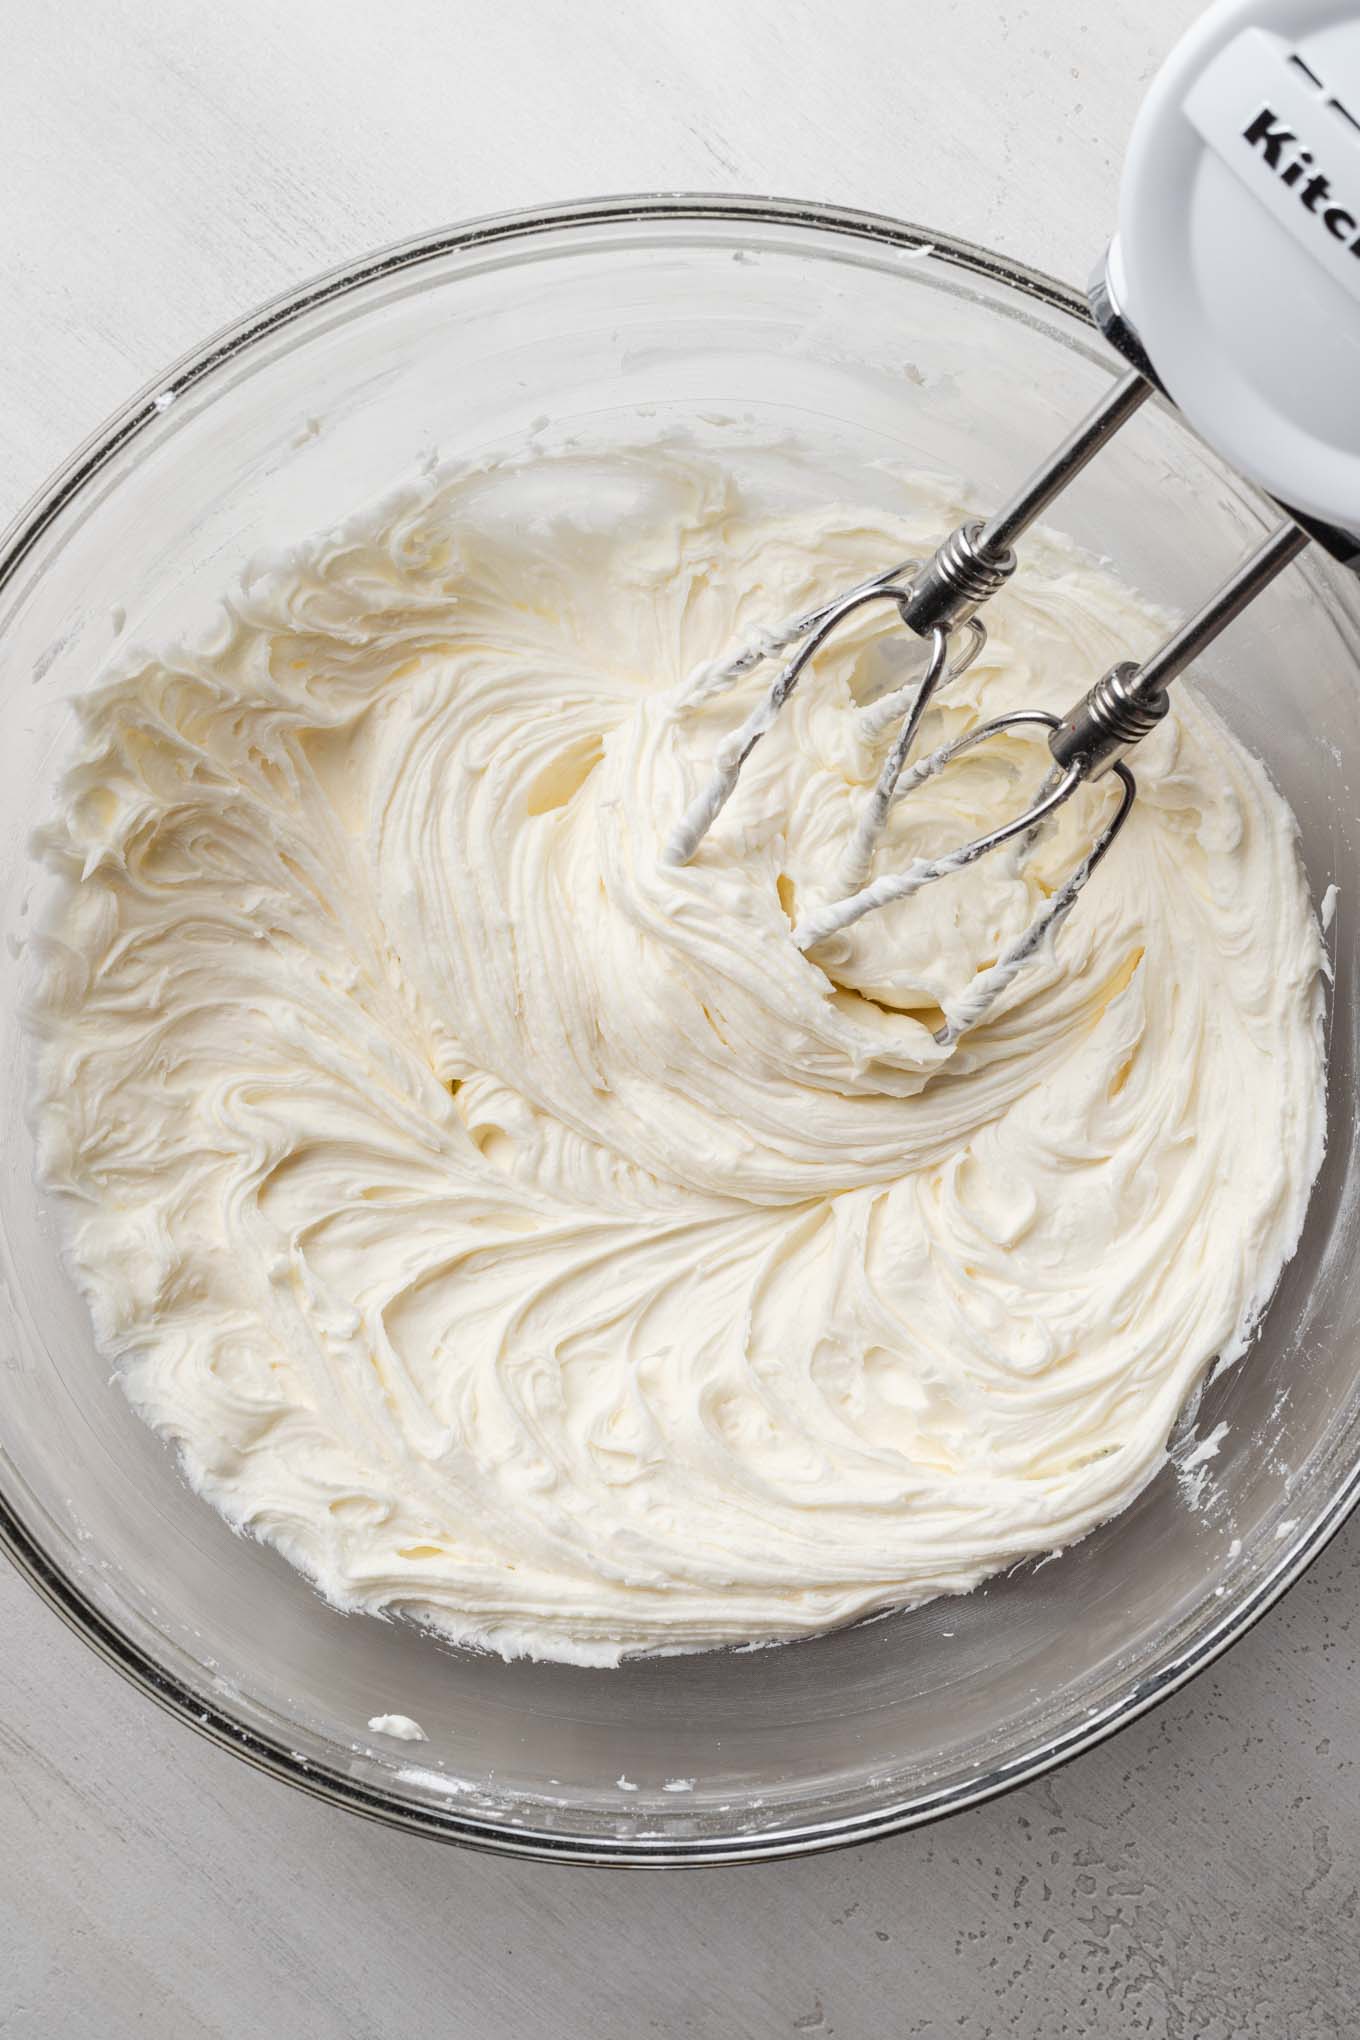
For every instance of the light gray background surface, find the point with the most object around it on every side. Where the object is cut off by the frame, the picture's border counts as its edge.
(164, 164)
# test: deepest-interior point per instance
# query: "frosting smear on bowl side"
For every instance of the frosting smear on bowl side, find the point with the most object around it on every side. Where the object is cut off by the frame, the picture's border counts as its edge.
(519, 1232)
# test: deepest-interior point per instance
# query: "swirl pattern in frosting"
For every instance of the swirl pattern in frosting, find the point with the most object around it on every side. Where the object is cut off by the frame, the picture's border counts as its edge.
(521, 1233)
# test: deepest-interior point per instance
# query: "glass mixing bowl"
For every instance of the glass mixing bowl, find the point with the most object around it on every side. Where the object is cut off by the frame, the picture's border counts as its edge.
(740, 320)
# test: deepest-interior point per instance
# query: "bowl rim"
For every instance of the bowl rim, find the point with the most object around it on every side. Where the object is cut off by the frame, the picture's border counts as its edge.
(75, 1607)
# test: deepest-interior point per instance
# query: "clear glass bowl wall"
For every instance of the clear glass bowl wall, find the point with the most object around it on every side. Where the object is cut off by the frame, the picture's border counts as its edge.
(740, 322)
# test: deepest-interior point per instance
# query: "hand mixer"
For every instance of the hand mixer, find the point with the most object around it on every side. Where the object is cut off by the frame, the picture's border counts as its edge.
(1232, 288)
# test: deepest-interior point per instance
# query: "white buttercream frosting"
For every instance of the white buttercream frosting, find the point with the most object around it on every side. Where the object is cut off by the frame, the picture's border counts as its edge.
(399, 1725)
(516, 1230)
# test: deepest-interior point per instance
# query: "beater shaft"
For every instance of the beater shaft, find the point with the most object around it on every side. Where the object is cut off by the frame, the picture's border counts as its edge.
(976, 559)
(1130, 700)
(1067, 460)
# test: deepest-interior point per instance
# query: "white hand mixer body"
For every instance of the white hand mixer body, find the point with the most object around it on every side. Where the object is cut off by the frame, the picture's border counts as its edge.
(1233, 287)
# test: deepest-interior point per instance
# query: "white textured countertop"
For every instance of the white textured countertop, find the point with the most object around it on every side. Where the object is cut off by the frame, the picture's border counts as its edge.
(165, 164)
